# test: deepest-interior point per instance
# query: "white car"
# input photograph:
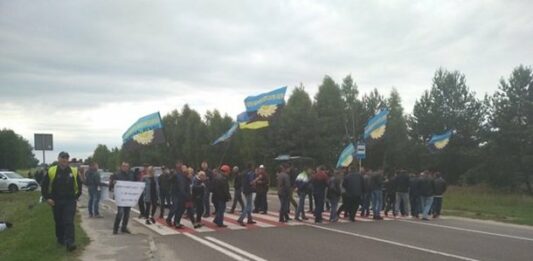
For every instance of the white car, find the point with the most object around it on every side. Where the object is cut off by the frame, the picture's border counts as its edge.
(12, 182)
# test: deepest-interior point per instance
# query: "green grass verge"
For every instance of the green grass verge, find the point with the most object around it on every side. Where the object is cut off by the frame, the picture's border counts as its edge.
(32, 236)
(484, 203)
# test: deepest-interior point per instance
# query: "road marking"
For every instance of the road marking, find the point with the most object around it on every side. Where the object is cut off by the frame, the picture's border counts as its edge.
(395, 243)
(469, 230)
(216, 247)
(235, 249)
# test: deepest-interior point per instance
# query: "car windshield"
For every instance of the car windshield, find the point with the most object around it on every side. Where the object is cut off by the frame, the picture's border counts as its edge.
(13, 175)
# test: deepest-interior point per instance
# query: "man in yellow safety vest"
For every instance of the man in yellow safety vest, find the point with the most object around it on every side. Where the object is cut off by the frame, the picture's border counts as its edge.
(61, 189)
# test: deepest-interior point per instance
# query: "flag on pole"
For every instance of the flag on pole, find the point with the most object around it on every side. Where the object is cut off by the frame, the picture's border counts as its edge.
(440, 141)
(346, 157)
(262, 108)
(375, 128)
(145, 131)
(227, 134)
(245, 122)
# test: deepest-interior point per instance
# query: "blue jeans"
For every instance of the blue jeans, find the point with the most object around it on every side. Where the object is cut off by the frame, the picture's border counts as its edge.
(300, 212)
(333, 214)
(220, 208)
(402, 197)
(247, 211)
(94, 201)
(377, 202)
(437, 205)
(426, 203)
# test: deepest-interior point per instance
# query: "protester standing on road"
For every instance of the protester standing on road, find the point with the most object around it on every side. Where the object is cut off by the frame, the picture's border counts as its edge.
(248, 188)
(334, 194)
(402, 194)
(123, 213)
(93, 180)
(320, 182)
(354, 188)
(293, 173)
(237, 186)
(262, 184)
(302, 188)
(198, 190)
(440, 188)
(221, 194)
(426, 190)
(376, 186)
(390, 194)
(414, 196)
(139, 176)
(209, 177)
(164, 181)
(61, 189)
(284, 190)
(180, 195)
(151, 190)
(365, 205)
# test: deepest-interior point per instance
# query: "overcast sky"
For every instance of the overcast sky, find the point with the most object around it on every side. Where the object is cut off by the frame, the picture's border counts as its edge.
(86, 70)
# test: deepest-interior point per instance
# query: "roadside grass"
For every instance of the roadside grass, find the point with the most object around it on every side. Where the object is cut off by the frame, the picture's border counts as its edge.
(32, 236)
(481, 202)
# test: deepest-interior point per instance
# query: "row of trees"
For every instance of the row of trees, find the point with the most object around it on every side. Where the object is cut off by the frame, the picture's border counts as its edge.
(15, 151)
(492, 140)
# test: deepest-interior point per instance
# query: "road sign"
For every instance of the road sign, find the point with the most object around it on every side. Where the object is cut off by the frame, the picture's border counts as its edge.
(360, 152)
(43, 141)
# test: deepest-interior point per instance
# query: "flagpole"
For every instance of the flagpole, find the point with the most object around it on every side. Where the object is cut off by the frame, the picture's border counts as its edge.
(224, 153)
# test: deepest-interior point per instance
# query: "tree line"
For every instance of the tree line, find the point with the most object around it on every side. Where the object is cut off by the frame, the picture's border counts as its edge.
(492, 139)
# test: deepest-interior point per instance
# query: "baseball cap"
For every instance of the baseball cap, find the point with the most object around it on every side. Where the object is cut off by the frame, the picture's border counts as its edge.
(225, 168)
(64, 155)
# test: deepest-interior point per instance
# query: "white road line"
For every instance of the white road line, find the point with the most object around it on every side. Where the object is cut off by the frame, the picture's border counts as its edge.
(470, 230)
(395, 243)
(217, 248)
(236, 249)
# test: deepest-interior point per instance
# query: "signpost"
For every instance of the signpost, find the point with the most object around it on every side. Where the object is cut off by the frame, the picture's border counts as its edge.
(360, 153)
(43, 142)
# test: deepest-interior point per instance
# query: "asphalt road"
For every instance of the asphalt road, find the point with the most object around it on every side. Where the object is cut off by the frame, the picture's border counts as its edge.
(447, 238)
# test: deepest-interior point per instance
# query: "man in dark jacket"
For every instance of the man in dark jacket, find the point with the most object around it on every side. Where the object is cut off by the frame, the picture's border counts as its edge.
(402, 193)
(181, 195)
(92, 181)
(440, 188)
(123, 213)
(174, 192)
(353, 185)
(248, 189)
(221, 195)
(209, 177)
(334, 194)
(262, 183)
(414, 196)
(390, 194)
(284, 190)
(164, 191)
(237, 186)
(365, 198)
(376, 186)
(61, 189)
(320, 183)
(426, 188)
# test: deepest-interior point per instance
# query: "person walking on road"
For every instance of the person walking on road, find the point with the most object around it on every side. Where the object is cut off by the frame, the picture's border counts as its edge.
(221, 194)
(61, 189)
(180, 194)
(302, 188)
(440, 188)
(354, 188)
(402, 194)
(151, 190)
(164, 181)
(262, 184)
(414, 196)
(209, 177)
(198, 190)
(248, 178)
(426, 189)
(284, 190)
(139, 176)
(365, 199)
(93, 182)
(123, 213)
(320, 182)
(376, 187)
(390, 194)
(237, 186)
(334, 194)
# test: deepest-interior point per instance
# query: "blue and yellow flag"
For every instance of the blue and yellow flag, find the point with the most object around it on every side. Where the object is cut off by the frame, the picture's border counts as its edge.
(227, 134)
(346, 157)
(263, 107)
(375, 128)
(245, 122)
(145, 131)
(440, 141)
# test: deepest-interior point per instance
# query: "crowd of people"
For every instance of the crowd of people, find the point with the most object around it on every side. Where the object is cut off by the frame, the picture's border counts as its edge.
(342, 192)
